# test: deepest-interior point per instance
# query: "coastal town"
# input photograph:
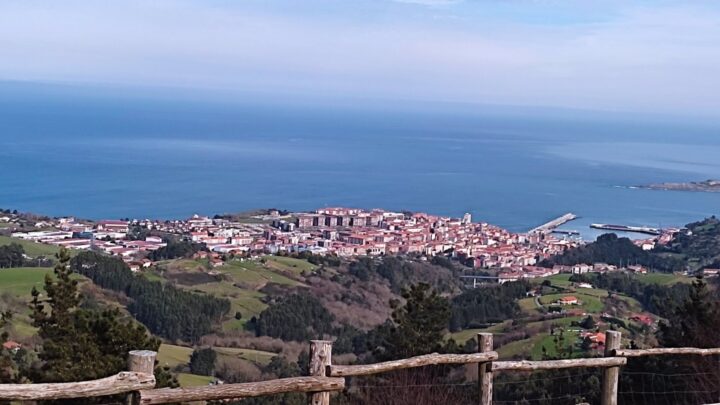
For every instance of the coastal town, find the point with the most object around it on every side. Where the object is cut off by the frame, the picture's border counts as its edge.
(341, 232)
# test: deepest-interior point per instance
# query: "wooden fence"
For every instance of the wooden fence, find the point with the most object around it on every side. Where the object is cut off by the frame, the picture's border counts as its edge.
(138, 383)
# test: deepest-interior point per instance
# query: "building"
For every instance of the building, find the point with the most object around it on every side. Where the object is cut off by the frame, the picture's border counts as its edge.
(568, 300)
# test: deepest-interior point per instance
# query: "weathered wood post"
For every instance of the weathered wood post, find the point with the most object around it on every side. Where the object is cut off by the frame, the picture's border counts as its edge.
(141, 361)
(611, 375)
(485, 374)
(320, 359)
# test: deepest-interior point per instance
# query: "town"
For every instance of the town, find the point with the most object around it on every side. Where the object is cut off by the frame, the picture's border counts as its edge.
(341, 232)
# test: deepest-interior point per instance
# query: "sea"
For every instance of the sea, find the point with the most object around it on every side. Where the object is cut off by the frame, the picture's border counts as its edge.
(101, 152)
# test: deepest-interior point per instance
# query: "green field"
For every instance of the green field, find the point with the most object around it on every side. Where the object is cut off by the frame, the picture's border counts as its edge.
(173, 355)
(255, 273)
(16, 285)
(243, 279)
(256, 356)
(528, 305)
(19, 282)
(590, 303)
(519, 348)
(32, 249)
(559, 280)
(192, 380)
(464, 335)
(289, 264)
(663, 278)
(548, 341)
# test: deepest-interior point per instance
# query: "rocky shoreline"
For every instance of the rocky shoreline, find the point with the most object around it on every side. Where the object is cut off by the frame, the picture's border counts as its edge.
(707, 186)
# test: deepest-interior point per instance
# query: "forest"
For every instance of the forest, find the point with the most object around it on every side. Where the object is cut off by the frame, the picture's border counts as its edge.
(166, 310)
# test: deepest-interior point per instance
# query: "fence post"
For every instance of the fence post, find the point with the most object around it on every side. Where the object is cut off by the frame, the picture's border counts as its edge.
(140, 361)
(611, 375)
(320, 359)
(485, 374)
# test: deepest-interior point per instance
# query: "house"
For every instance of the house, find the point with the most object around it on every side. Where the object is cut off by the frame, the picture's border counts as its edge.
(642, 318)
(12, 346)
(568, 300)
(581, 268)
(584, 285)
(596, 338)
(113, 226)
(637, 269)
(216, 262)
(710, 272)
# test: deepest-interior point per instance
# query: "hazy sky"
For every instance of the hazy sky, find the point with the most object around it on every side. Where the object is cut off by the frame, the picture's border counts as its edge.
(653, 56)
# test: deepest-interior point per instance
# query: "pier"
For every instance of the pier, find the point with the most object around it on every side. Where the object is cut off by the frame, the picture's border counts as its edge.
(550, 226)
(624, 228)
(568, 232)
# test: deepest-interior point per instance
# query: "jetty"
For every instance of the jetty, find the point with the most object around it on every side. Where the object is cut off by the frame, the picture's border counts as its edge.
(550, 226)
(625, 228)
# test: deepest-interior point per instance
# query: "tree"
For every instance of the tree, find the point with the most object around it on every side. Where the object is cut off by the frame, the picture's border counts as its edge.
(8, 368)
(167, 311)
(588, 323)
(416, 327)
(298, 317)
(477, 307)
(12, 255)
(202, 361)
(80, 344)
(694, 323)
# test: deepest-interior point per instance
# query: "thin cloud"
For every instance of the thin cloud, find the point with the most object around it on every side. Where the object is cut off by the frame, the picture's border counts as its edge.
(430, 2)
(642, 59)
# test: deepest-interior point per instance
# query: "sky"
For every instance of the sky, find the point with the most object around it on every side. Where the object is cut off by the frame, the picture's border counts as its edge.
(655, 56)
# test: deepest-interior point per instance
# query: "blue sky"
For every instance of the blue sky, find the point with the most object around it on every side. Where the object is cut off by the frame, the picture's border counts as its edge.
(646, 56)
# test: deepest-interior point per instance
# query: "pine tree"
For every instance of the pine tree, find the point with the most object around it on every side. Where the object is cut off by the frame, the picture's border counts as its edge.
(80, 344)
(694, 323)
(8, 368)
(417, 327)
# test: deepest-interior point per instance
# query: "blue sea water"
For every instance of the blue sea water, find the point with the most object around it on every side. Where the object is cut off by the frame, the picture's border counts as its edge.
(110, 153)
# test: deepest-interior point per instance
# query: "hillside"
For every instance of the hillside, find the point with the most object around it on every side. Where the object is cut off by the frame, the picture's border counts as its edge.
(355, 298)
(611, 249)
(695, 247)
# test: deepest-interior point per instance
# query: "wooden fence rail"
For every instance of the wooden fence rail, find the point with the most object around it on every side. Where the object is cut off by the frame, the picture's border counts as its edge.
(419, 361)
(665, 351)
(138, 383)
(244, 390)
(118, 384)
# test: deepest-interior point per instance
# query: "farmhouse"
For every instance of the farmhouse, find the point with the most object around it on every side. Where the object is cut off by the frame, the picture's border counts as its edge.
(568, 300)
